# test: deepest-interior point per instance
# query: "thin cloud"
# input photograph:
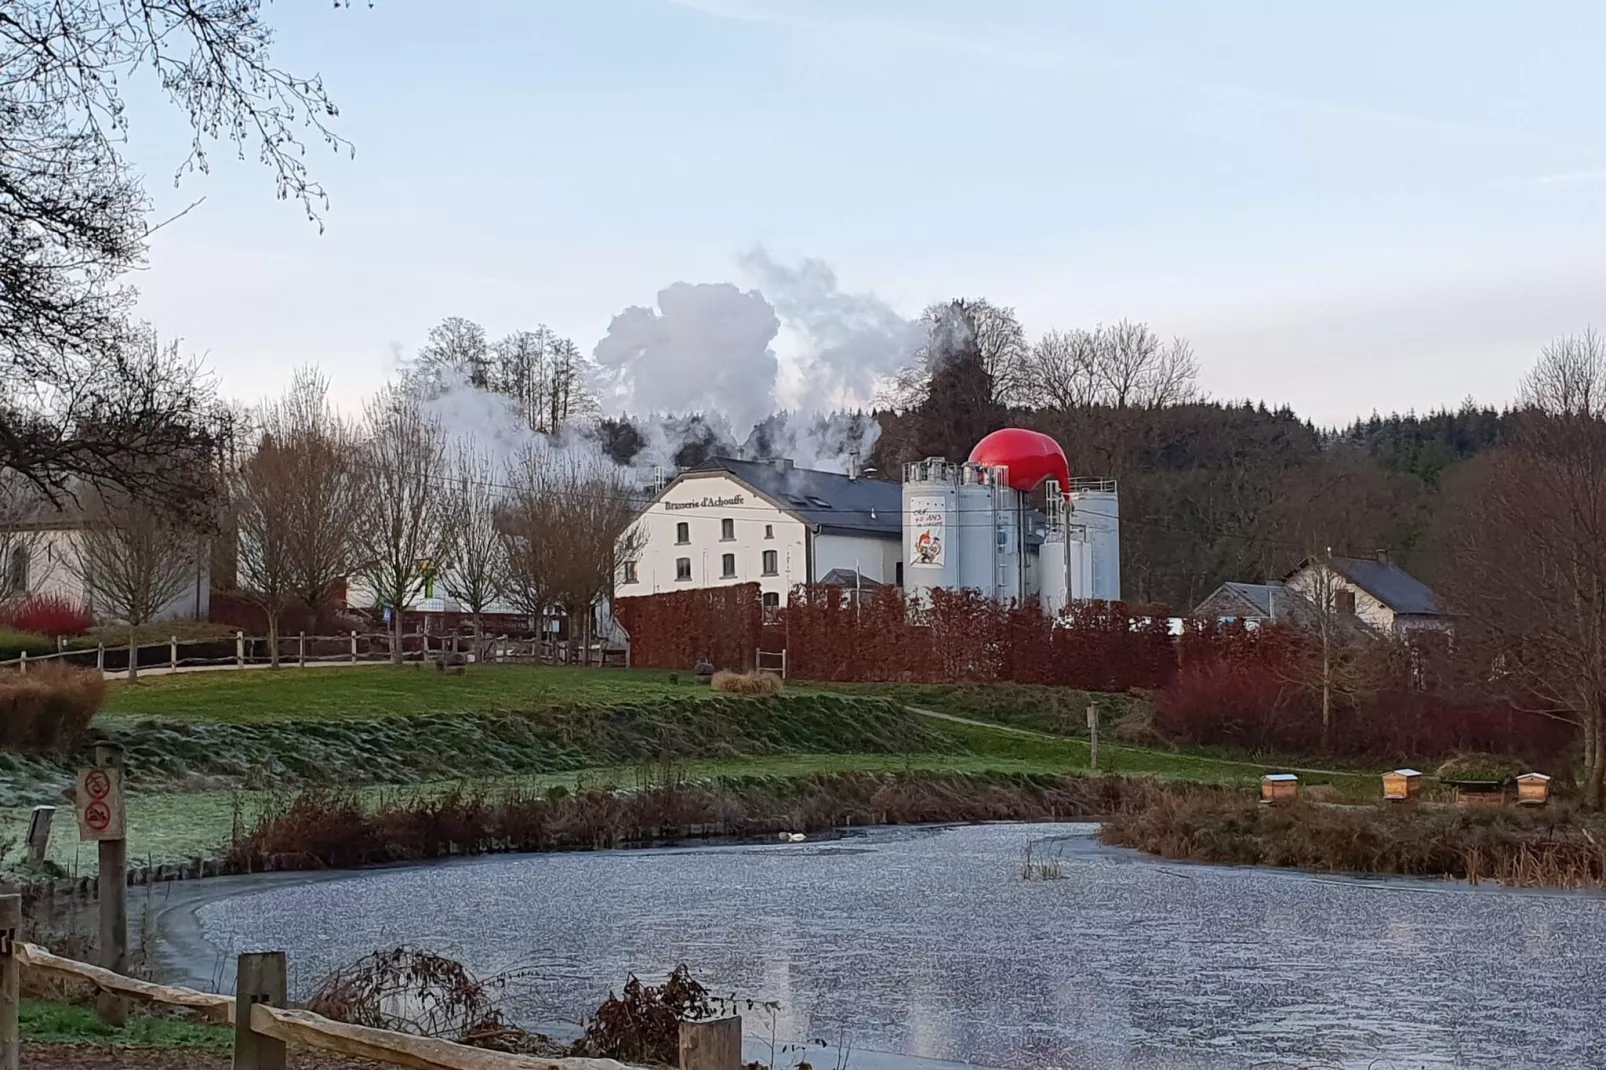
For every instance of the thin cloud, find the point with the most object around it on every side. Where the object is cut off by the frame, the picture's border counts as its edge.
(1571, 176)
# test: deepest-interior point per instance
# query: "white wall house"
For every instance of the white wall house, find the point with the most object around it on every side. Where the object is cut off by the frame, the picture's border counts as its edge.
(41, 559)
(1377, 593)
(728, 522)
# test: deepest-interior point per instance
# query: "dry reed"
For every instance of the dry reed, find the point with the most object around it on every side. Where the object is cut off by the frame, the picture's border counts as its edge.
(747, 683)
(47, 709)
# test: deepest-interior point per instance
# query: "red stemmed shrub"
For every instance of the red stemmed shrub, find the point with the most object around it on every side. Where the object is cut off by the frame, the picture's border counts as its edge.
(47, 615)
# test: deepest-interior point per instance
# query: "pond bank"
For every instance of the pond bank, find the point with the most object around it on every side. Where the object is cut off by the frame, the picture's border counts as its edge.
(1555, 847)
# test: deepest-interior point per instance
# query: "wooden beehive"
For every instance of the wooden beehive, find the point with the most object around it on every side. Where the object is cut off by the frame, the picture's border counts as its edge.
(1279, 787)
(1533, 789)
(1402, 784)
(1474, 793)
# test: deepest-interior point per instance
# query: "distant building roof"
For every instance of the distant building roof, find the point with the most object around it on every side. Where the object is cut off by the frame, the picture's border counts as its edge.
(846, 577)
(832, 501)
(1390, 584)
(1253, 601)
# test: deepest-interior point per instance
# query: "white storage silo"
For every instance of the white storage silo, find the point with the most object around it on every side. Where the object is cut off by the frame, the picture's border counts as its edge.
(979, 556)
(930, 505)
(1096, 508)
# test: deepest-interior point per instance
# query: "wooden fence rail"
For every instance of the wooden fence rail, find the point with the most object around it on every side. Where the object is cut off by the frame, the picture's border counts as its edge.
(264, 1027)
(299, 649)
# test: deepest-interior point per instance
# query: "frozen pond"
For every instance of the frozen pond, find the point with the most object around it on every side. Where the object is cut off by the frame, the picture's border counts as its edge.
(927, 943)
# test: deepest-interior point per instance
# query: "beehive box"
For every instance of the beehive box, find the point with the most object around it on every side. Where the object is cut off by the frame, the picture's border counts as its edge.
(1533, 789)
(1279, 787)
(1476, 793)
(1402, 784)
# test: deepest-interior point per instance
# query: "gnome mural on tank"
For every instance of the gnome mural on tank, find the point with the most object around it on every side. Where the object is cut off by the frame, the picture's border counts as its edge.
(927, 517)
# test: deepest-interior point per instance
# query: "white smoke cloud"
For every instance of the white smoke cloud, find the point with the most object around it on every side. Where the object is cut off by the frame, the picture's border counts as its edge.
(704, 349)
(853, 341)
(709, 349)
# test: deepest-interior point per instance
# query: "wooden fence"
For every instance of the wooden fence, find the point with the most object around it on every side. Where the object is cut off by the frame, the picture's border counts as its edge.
(265, 1025)
(302, 650)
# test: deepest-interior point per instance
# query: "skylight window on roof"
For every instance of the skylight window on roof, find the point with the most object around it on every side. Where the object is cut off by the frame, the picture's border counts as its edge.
(819, 503)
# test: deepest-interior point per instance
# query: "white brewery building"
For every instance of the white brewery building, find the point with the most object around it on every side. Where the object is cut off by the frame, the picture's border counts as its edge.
(947, 525)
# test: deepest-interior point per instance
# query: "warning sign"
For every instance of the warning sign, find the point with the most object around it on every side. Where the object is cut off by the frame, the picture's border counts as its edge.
(100, 804)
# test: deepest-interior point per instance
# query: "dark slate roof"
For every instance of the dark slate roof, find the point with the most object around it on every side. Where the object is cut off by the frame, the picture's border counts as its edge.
(1261, 599)
(845, 577)
(829, 500)
(1391, 585)
(834, 503)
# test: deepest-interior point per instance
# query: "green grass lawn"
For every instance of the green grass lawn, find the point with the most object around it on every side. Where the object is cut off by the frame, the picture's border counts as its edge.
(168, 826)
(56, 1023)
(364, 692)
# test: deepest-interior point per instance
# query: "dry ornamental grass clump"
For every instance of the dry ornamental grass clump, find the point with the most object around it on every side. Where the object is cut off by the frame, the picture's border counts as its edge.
(747, 683)
(48, 708)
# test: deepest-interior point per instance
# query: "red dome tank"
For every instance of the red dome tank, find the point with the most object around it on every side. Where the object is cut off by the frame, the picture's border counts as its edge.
(1030, 457)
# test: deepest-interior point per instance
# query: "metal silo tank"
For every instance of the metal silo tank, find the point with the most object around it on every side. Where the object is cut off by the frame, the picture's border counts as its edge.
(978, 540)
(1097, 507)
(930, 545)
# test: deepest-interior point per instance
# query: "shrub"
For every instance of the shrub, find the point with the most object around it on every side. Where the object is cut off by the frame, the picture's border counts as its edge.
(747, 683)
(14, 644)
(49, 615)
(1479, 767)
(48, 708)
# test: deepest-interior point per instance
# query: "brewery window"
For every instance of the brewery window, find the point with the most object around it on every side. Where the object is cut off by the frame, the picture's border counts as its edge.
(898, 574)
(682, 533)
(682, 568)
(630, 572)
(769, 531)
(727, 530)
(1344, 602)
(727, 566)
(17, 581)
(771, 563)
(772, 600)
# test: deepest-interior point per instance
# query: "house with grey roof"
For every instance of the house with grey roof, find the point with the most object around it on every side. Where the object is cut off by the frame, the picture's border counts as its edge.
(1374, 592)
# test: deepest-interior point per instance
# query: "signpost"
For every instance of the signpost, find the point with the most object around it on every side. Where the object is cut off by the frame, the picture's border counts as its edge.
(99, 802)
(1093, 735)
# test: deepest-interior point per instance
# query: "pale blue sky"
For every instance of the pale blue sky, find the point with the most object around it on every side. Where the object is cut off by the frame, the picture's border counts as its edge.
(1345, 207)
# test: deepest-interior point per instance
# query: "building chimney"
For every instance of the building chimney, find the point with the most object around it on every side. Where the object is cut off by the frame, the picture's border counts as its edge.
(853, 464)
(1382, 556)
(783, 464)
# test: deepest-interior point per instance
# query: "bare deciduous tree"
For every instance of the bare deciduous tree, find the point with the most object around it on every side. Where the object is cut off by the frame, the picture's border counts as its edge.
(569, 527)
(478, 576)
(330, 495)
(456, 350)
(404, 533)
(1123, 366)
(1345, 658)
(966, 325)
(1529, 566)
(531, 531)
(133, 562)
(265, 494)
(90, 400)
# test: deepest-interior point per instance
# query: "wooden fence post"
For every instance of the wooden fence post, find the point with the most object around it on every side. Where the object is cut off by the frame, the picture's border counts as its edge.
(354, 647)
(239, 650)
(261, 978)
(22, 661)
(715, 1045)
(39, 833)
(113, 884)
(301, 649)
(100, 657)
(10, 991)
(172, 652)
